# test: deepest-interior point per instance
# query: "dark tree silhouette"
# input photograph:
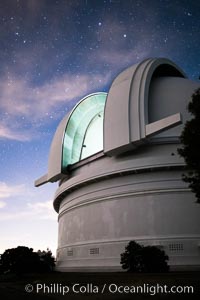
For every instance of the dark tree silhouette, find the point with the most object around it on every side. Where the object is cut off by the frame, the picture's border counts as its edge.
(137, 258)
(22, 260)
(131, 259)
(48, 261)
(190, 138)
(154, 259)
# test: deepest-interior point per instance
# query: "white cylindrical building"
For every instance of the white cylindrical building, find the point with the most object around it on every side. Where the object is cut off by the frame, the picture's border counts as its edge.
(120, 177)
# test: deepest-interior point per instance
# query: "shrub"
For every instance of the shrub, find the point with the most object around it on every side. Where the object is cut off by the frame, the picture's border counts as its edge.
(138, 258)
(22, 260)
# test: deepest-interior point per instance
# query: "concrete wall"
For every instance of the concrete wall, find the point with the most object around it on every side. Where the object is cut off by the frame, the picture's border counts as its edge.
(153, 207)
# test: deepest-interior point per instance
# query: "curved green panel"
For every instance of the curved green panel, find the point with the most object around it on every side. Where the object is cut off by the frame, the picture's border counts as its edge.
(84, 131)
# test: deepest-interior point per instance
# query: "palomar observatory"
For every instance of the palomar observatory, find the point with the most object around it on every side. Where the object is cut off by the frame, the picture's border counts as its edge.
(120, 177)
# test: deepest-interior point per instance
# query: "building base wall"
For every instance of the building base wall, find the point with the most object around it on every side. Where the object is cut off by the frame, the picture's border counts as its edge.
(97, 220)
(184, 255)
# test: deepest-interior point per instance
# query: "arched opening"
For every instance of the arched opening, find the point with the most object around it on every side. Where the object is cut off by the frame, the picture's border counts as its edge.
(84, 131)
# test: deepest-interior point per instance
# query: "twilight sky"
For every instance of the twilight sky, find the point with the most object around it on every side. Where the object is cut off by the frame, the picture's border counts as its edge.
(52, 53)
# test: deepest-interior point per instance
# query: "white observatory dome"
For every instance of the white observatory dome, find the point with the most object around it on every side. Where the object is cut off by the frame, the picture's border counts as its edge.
(115, 156)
